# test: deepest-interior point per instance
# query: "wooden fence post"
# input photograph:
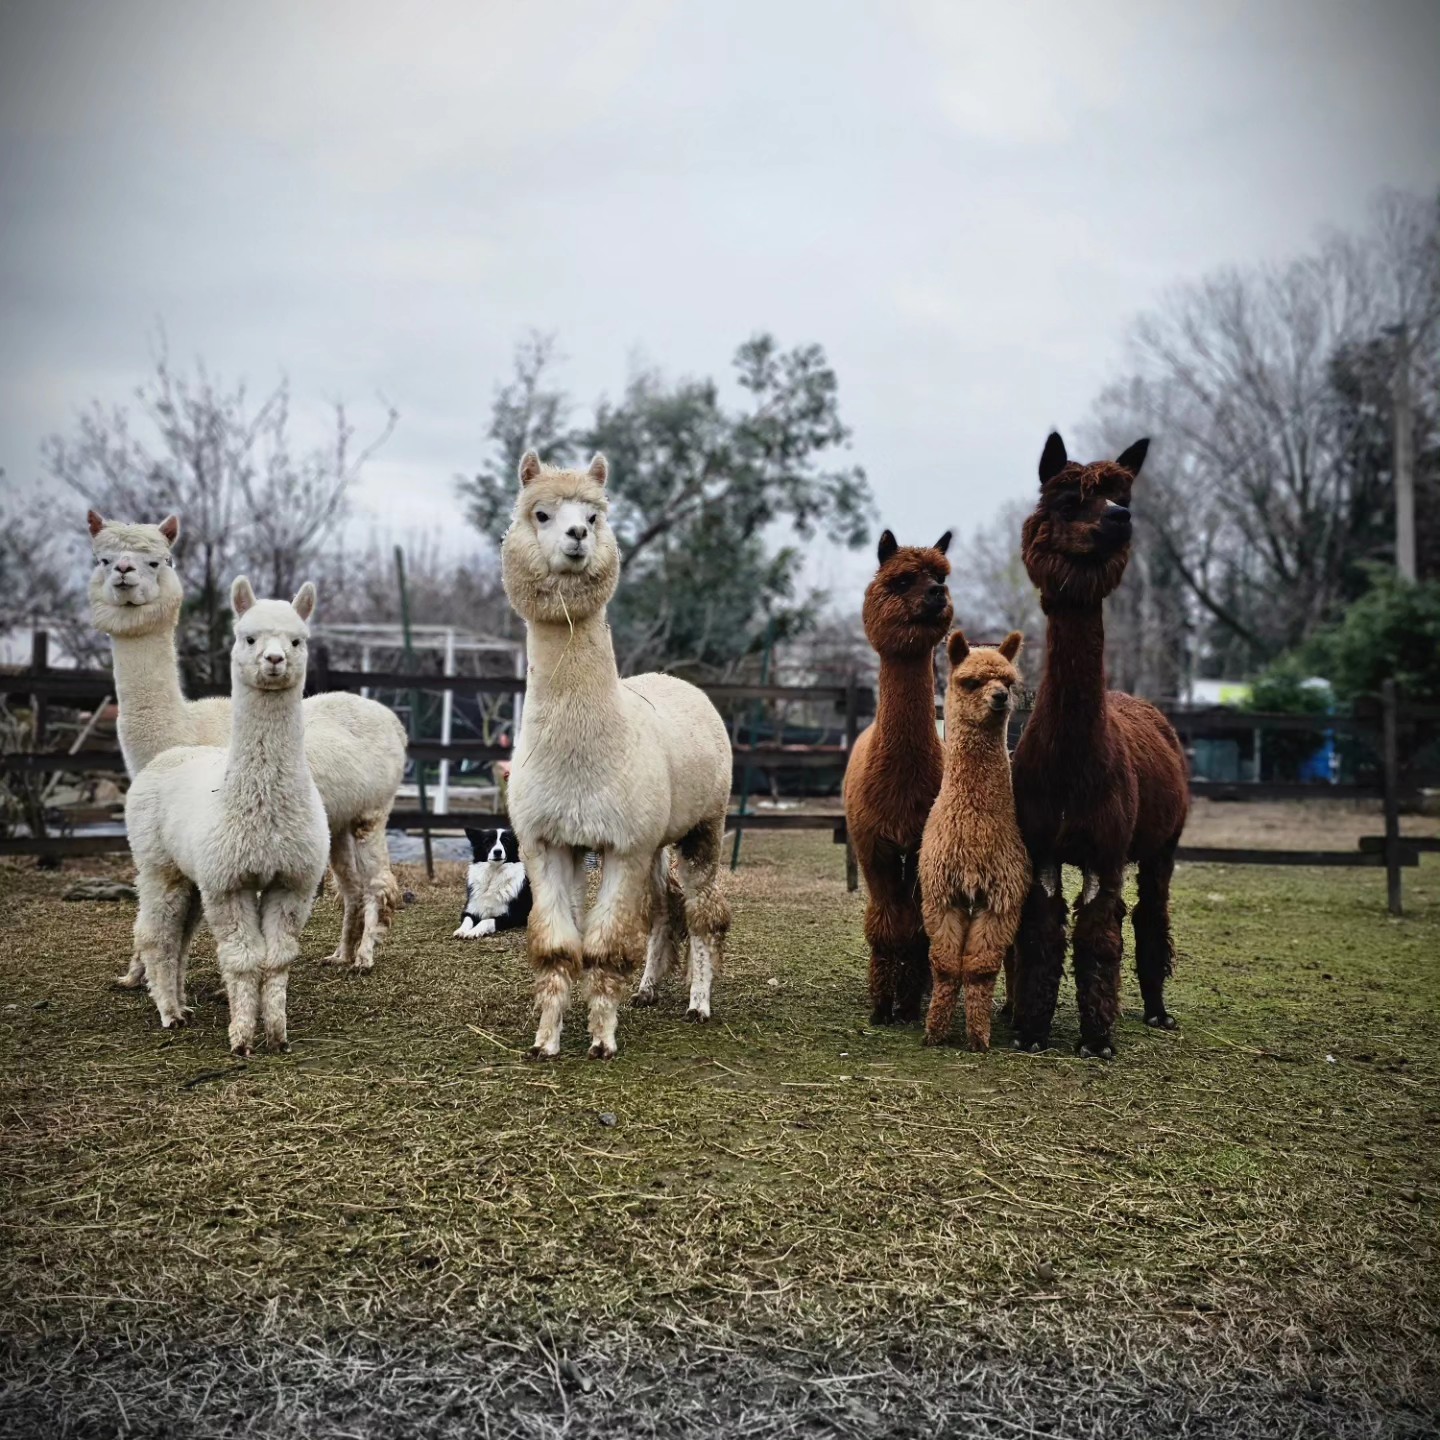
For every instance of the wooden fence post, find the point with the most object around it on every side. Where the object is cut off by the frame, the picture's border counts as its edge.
(1390, 760)
(39, 664)
(852, 728)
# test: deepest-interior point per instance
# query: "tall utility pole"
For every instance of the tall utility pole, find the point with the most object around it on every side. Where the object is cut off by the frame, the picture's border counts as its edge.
(1404, 459)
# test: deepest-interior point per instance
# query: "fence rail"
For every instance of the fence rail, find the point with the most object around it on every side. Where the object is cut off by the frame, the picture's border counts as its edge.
(1381, 718)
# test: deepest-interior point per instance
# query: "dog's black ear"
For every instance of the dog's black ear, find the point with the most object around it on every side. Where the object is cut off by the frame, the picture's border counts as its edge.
(478, 846)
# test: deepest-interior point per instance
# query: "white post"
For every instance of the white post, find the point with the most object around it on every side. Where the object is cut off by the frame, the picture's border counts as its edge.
(447, 709)
(365, 666)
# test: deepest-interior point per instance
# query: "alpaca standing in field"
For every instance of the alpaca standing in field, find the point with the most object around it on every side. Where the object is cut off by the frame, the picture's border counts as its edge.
(894, 770)
(623, 767)
(356, 747)
(244, 825)
(974, 872)
(1099, 777)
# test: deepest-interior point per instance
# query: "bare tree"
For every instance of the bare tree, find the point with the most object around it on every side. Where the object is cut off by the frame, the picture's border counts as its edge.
(248, 500)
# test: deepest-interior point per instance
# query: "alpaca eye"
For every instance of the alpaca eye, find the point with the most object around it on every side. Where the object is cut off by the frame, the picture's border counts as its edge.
(249, 639)
(901, 582)
(104, 562)
(593, 519)
(971, 683)
(542, 516)
(294, 644)
(154, 564)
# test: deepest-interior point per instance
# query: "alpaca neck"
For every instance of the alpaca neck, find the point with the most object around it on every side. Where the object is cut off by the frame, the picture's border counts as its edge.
(267, 742)
(572, 666)
(972, 751)
(1071, 701)
(905, 709)
(147, 687)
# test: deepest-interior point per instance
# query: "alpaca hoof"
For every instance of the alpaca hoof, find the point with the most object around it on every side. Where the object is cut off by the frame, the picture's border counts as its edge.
(978, 1044)
(539, 1052)
(601, 1050)
(1100, 1050)
(175, 1022)
(242, 1051)
(126, 982)
(1163, 1021)
(363, 966)
(644, 997)
(697, 1016)
(1031, 1047)
(336, 957)
(934, 1038)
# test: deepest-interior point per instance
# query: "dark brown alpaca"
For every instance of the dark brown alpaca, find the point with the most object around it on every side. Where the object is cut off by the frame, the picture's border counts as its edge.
(1099, 777)
(894, 771)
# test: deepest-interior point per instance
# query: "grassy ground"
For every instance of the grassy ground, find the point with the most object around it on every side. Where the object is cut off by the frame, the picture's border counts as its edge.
(784, 1222)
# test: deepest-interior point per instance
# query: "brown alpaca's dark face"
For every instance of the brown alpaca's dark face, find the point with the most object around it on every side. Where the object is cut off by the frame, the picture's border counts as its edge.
(907, 605)
(1077, 542)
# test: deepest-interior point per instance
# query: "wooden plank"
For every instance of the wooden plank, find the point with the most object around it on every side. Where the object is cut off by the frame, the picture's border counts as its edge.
(30, 762)
(1425, 844)
(1210, 855)
(63, 846)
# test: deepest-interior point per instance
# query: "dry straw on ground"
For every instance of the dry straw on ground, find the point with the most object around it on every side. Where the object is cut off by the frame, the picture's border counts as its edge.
(796, 1224)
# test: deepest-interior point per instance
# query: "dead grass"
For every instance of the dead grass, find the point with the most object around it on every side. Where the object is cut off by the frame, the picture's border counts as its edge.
(795, 1225)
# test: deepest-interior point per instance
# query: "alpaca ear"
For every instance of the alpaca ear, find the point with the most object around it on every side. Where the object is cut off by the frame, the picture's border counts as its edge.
(304, 602)
(1133, 458)
(957, 647)
(599, 470)
(887, 546)
(529, 467)
(242, 596)
(169, 527)
(95, 520)
(1010, 645)
(943, 543)
(1053, 458)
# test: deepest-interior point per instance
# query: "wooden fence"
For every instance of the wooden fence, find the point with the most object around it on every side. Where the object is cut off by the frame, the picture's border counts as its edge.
(1383, 720)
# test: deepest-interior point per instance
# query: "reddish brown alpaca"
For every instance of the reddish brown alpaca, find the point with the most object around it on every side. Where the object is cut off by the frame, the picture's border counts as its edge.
(974, 872)
(894, 771)
(1099, 778)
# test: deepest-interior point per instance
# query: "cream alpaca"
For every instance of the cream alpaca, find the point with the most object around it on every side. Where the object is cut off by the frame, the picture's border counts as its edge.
(356, 747)
(244, 825)
(625, 768)
(974, 870)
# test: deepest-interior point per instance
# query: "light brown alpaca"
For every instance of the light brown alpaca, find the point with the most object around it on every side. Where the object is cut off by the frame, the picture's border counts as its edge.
(974, 869)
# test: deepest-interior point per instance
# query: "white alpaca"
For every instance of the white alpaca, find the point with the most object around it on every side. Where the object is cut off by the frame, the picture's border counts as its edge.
(356, 747)
(244, 825)
(624, 768)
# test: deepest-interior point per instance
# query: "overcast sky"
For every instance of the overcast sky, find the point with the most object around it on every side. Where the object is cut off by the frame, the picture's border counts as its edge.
(963, 202)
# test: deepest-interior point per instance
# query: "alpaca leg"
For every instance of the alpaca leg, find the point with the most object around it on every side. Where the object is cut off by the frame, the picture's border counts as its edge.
(1154, 945)
(986, 948)
(160, 938)
(134, 976)
(707, 912)
(380, 891)
(912, 967)
(1099, 949)
(553, 939)
(240, 946)
(895, 930)
(947, 930)
(615, 932)
(1039, 959)
(283, 913)
(1007, 1006)
(344, 867)
(668, 932)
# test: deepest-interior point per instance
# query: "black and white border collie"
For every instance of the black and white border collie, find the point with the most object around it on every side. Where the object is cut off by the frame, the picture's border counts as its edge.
(497, 892)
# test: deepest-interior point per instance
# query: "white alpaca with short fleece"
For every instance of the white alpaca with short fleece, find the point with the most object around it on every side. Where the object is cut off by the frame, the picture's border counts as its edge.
(621, 767)
(356, 747)
(244, 826)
